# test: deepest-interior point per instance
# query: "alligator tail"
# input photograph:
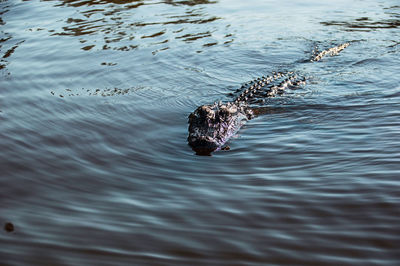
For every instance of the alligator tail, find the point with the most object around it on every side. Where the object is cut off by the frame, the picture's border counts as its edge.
(331, 51)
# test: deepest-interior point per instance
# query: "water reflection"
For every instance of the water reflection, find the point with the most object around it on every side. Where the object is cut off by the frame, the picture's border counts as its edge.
(7, 44)
(370, 24)
(127, 25)
(138, 2)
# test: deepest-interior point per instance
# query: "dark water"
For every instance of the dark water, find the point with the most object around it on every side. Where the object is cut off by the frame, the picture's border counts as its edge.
(94, 164)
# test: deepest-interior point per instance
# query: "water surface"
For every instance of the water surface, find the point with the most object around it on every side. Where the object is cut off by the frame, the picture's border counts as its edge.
(94, 164)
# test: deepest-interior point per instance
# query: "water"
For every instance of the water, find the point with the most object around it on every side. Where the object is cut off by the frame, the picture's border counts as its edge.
(95, 167)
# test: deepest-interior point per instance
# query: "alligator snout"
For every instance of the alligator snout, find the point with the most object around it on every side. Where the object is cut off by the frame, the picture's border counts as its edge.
(203, 145)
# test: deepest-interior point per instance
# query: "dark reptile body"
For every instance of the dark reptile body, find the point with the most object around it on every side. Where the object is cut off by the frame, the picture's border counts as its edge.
(211, 126)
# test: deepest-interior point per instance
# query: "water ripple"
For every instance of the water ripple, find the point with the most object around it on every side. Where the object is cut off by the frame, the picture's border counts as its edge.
(94, 162)
(107, 22)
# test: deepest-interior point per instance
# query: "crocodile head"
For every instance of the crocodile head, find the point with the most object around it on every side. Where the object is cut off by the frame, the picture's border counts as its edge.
(211, 126)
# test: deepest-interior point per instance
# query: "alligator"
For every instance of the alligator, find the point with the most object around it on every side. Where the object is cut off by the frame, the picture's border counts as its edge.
(211, 126)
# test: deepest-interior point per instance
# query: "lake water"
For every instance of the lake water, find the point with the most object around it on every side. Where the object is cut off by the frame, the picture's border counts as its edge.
(95, 168)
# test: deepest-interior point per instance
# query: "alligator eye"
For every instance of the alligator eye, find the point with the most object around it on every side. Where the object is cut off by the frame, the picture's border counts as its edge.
(210, 114)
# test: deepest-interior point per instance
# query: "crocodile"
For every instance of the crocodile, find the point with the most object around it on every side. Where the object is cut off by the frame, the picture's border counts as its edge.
(212, 125)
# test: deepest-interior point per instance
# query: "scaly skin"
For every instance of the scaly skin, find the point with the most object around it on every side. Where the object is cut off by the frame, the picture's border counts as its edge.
(211, 126)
